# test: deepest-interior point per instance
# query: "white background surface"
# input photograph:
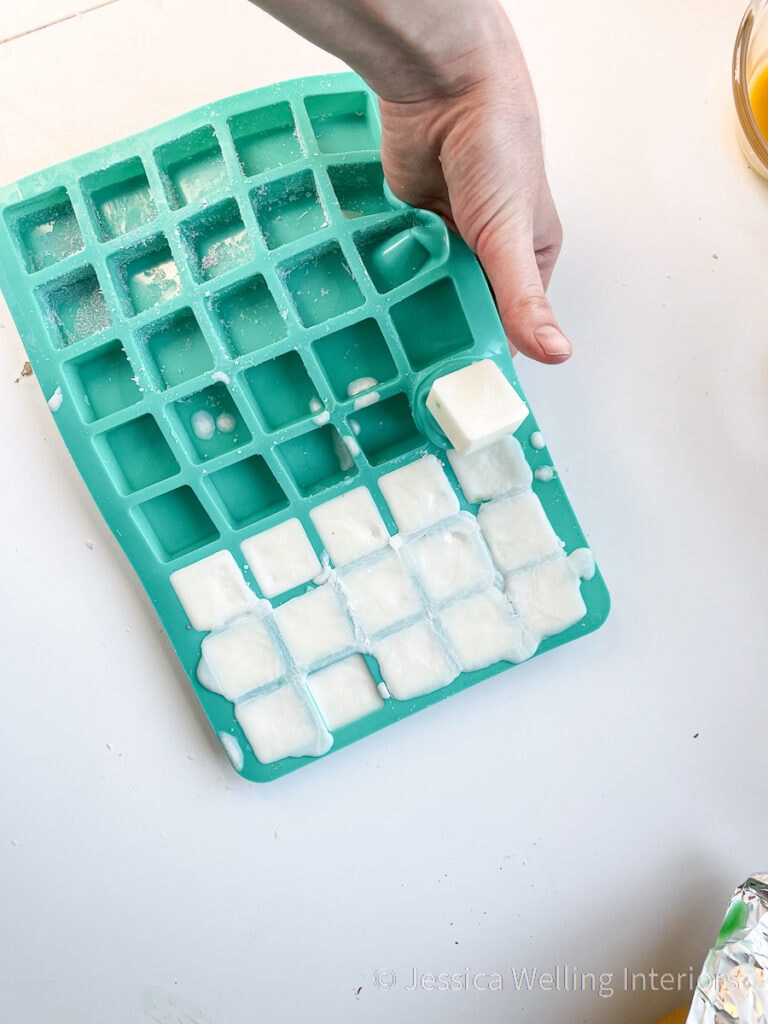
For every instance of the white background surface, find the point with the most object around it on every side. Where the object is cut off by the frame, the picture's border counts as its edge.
(589, 811)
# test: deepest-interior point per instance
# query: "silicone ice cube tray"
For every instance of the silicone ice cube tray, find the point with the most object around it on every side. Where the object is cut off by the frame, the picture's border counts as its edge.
(236, 325)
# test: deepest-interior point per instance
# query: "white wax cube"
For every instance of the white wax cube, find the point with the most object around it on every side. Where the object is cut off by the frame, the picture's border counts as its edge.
(475, 405)
(212, 591)
(282, 723)
(418, 494)
(281, 558)
(484, 629)
(496, 469)
(547, 597)
(451, 559)
(240, 658)
(315, 625)
(380, 592)
(414, 662)
(350, 526)
(517, 531)
(345, 691)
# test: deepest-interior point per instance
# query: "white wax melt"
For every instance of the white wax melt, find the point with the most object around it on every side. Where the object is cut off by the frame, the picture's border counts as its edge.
(548, 596)
(315, 625)
(476, 405)
(283, 723)
(345, 692)
(484, 629)
(350, 526)
(451, 559)
(240, 658)
(497, 469)
(380, 592)
(212, 591)
(413, 662)
(281, 558)
(517, 531)
(419, 494)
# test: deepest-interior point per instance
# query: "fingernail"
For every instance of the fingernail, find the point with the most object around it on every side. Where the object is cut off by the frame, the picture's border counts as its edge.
(552, 341)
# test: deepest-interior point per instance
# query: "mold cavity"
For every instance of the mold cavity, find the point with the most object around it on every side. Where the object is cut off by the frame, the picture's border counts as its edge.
(75, 306)
(146, 275)
(248, 491)
(355, 353)
(198, 415)
(386, 429)
(217, 241)
(322, 285)
(120, 199)
(315, 460)
(104, 381)
(341, 122)
(288, 209)
(139, 454)
(397, 253)
(177, 348)
(191, 167)
(248, 316)
(177, 523)
(359, 188)
(46, 229)
(283, 390)
(265, 138)
(432, 324)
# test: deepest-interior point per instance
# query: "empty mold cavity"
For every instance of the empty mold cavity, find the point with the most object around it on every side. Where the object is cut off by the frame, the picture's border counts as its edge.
(341, 122)
(397, 253)
(386, 429)
(212, 422)
(46, 229)
(248, 491)
(146, 275)
(104, 380)
(177, 348)
(317, 460)
(359, 188)
(248, 316)
(265, 138)
(288, 209)
(191, 167)
(432, 325)
(178, 523)
(217, 241)
(139, 454)
(283, 390)
(120, 199)
(322, 285)
(353, 354)
(75, 306)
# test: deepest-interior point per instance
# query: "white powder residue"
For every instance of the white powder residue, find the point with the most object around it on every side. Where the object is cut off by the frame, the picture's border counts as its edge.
(220, 377)
(582, 561)
(384, 691)
(315, 405)
(365, 400)
(233, 750)
(54, 402)
(537, 441)
(355, 387)
(544, 473)
(352, 446)
(226, 422)
(203, 425)
(322, 418)
(354, 426)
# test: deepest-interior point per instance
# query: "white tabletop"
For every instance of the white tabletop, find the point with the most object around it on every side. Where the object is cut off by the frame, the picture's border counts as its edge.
(586, 813)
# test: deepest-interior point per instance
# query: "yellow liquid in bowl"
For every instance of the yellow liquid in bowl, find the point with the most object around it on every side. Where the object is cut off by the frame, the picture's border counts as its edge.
(758, 98)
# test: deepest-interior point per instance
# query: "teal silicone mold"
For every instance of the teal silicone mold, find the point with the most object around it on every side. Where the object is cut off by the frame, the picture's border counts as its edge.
(247, 260)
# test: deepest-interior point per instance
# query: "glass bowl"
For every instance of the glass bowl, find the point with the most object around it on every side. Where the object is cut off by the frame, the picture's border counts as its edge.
(750, 53)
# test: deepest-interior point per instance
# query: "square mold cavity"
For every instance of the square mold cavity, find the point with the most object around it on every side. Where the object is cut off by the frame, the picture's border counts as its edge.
(241, 658)
(414, 662)
(120, 199)
(321, 285)
(265, 138)
(345, 692)
(281, 558)
(104, 381)
(396, 253)
(518, 531)
(432, 324)
(451, 559)
(317, 460)
(46, 229)
(248, 491)
(359, 189)
(212, 591)
(385, 429)
(350, 526)
(145, 275)
(75, 306)
(288, 209)
(342, 122)
(137, 454)
(283, 391)
(493, 470)
(248, 316)
(315, 626)
(354, 354)
(216, 241)
(212, 423)
(418, 494)
(380, 592)
(177, 523)
(484, 630)
(177, 348)
(191, 167)
(282, 723)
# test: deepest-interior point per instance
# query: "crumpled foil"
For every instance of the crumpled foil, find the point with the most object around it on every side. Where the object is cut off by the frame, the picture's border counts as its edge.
(733, 986)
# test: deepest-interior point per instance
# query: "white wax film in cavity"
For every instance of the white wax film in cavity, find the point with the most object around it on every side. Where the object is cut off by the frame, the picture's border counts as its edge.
(212, 591)
(281, 558)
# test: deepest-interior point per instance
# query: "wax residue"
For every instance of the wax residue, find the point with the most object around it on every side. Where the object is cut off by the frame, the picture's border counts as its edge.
(54, 402)
(537, 441)
(544, 473)
(203, 425)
